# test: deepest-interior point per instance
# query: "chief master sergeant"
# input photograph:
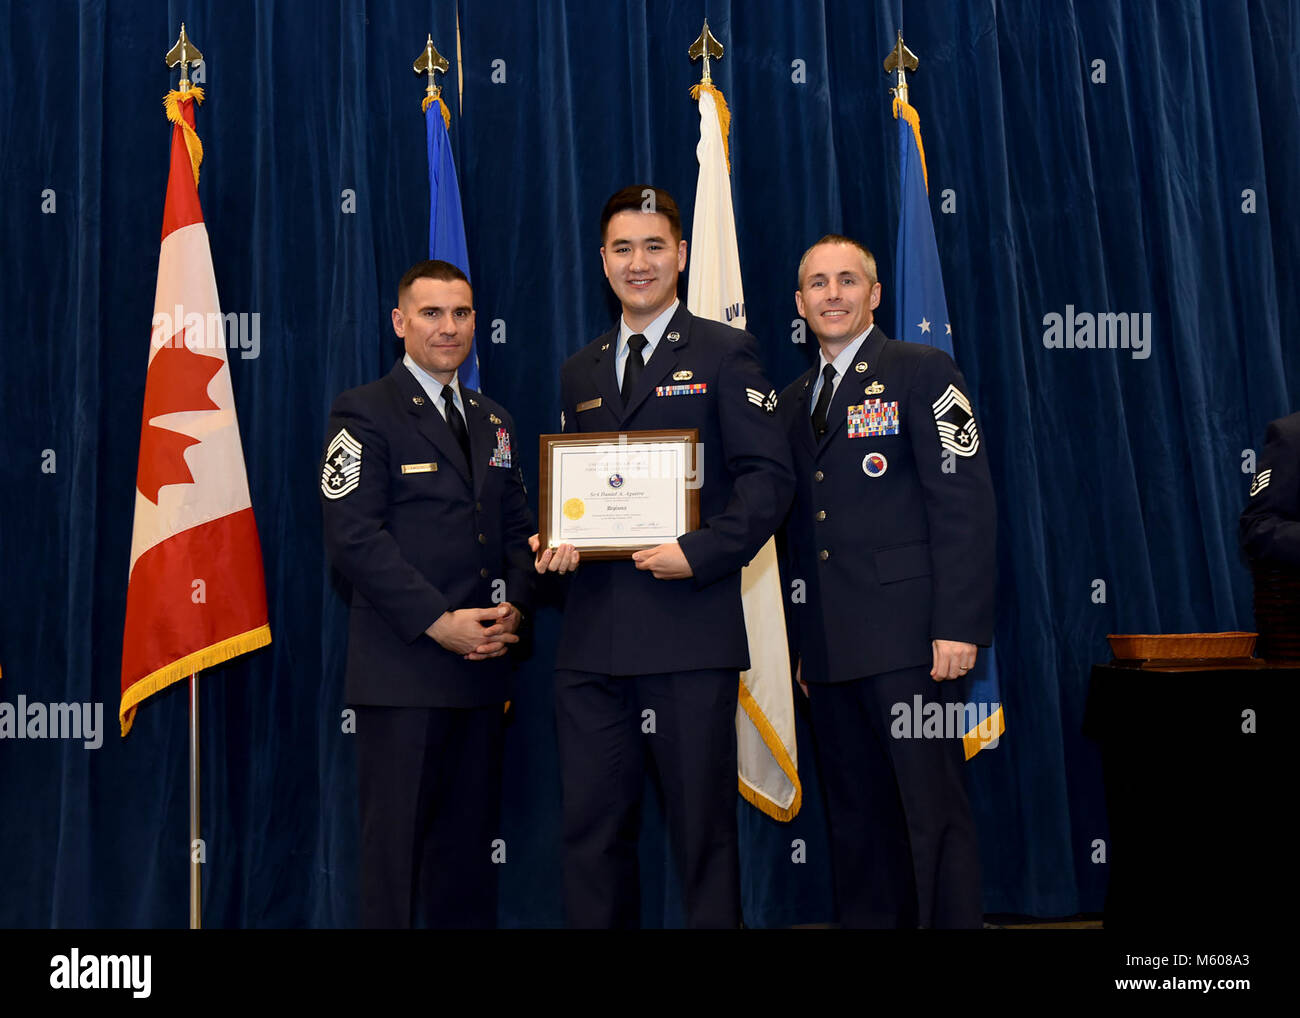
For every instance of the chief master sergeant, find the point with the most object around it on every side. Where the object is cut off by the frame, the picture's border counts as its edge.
(425, 514)
(892, 530)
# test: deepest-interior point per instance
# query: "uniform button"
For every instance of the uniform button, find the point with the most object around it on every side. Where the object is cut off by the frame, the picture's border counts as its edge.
(818, 476)
(823, 554)
(482, 539)
(483, 573)
(478, 507)
(821, 515)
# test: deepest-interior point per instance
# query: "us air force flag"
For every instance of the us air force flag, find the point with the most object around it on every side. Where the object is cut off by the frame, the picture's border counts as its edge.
(446, 223)
(766, 756)
(922, 316)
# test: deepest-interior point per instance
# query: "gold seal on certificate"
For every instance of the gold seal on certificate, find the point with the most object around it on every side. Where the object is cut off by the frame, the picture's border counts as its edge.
(610, 493)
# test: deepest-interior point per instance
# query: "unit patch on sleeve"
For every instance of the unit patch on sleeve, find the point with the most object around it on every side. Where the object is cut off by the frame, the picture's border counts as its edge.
(1260, 482)
(342, 471)
(956, 422)
(873, 418)
(501, 454)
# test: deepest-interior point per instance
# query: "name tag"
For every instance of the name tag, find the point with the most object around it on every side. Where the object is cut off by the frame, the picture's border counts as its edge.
(589, 404)
(419, 468)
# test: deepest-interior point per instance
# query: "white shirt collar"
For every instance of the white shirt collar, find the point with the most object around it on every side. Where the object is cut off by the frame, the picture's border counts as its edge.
(846, 356)
(652, 332)
(432, 386)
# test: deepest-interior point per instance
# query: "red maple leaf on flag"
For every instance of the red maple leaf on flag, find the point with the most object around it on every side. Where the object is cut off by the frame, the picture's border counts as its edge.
(177, 380)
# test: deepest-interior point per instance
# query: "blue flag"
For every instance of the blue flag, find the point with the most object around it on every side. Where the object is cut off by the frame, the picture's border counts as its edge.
(446, 224)
(922, 316)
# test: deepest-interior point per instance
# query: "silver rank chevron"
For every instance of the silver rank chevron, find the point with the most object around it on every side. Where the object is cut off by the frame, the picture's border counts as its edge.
(342, 471)
(1261, 482)
(763, 400)
(956, 422)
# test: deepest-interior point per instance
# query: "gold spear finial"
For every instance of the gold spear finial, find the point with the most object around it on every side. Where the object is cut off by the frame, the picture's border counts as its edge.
(428, 62)
(901, 59)
(183, 53)
(705, 46)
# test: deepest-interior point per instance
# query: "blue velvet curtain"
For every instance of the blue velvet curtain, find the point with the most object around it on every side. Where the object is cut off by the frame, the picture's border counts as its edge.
(1114, 156)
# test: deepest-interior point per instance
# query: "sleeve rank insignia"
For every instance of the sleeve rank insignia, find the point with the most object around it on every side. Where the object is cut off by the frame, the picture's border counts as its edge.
(956, 422)
(342, 471)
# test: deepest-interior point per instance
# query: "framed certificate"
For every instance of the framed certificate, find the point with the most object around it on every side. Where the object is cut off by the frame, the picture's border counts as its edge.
(610, 493)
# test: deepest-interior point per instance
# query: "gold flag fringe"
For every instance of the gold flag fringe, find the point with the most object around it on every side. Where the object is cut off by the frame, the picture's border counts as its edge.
(446, 113)
(208, 657)
(911, 116)
(779, 754)
(172, 104)
(973, 741)
(724, 114)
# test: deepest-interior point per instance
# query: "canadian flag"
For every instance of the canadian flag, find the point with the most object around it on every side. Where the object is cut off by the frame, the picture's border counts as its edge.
(196, 595)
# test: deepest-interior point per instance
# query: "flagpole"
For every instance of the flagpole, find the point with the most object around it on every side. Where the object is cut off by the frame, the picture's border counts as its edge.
(183, 54)
(196, 875)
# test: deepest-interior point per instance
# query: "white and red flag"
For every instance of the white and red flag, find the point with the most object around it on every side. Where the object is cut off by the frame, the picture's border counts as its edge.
(196, 595)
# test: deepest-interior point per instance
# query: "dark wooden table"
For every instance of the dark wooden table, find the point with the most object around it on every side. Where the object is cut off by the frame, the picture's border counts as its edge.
(1195, 802)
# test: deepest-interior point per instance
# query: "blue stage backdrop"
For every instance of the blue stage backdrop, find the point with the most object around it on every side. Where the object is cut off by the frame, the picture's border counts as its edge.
(1134, 157)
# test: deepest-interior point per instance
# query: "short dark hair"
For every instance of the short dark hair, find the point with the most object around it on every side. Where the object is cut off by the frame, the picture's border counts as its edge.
(836, 238)
(431, 268)
(642, 198)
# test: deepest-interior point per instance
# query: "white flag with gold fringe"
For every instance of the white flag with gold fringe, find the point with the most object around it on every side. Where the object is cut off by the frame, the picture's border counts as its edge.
(767, 761)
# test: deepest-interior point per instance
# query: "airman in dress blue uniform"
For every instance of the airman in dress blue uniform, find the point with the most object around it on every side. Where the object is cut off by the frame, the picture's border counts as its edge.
(425, 514)
(665, 631)
(1269, 531)
(892, 532)
(1270, 523)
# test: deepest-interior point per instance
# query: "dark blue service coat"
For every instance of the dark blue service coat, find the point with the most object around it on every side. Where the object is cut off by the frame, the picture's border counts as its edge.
(417, 535)
(1270, 523)
(619, 620)
(892, 526)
